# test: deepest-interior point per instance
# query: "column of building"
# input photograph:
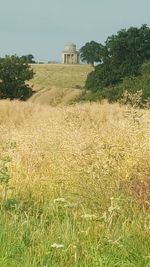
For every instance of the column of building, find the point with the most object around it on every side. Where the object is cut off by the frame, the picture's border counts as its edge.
(70, 58)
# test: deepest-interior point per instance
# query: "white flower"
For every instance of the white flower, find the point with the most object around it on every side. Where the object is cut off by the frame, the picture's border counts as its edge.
(88, 216)
(61, 200)
(55, 245)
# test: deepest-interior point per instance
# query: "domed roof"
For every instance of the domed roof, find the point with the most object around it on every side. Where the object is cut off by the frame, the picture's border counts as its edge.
(71, 47)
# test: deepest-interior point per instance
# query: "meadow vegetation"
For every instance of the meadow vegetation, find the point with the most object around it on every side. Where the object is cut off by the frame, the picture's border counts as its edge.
(75, 179)
(58, 84)
(74, 185)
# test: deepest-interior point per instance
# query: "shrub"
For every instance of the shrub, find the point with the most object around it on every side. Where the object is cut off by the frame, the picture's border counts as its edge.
(14, 72)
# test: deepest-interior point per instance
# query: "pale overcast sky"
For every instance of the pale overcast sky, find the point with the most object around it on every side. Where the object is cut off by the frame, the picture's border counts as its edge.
(43, 27)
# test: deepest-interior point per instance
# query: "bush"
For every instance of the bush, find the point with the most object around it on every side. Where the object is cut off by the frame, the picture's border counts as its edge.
(129, 85)
(14, 72)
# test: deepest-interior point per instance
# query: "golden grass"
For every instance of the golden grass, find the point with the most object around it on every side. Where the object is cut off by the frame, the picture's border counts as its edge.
(58, 84)
(82, 151)
(79, 176)
(76, 189)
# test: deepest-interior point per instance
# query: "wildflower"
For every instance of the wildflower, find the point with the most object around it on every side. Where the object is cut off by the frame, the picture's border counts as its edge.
(88, 216)
(55, 245)
(61, 200)
(114, 206)
(85, 232)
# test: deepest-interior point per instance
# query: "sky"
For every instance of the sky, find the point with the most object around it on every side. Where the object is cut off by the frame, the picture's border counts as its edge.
(43, 27)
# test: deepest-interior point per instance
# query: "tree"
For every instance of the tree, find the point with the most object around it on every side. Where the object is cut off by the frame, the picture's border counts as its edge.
(14, 72)
(102, 76)
(91, 52)
(122, 56)
(28, 59)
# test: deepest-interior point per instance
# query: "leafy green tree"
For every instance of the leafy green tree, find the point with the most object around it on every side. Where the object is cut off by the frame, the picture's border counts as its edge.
(102, 76)
(132, 86)
(14, 72)
(91, 52)
(28, 59)
(122, 56)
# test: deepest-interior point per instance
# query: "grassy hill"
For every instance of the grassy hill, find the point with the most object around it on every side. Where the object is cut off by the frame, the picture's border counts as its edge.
(58, 84)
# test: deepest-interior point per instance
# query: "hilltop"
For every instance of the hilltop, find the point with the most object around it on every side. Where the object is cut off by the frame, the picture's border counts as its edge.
(57, 84)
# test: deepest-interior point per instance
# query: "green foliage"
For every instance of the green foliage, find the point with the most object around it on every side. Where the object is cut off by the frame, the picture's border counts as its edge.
(14, 72)
(131, 87)
(134, 90)
(91, 52)
(115, 238)
(102, 76)
(122, 56)
(28, 59)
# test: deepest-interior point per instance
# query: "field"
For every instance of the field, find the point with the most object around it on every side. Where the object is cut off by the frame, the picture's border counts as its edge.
(58, 84)
(74, 183)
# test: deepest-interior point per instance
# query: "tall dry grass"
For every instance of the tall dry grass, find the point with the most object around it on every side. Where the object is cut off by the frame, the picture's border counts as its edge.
(99, 143)
(80, 176)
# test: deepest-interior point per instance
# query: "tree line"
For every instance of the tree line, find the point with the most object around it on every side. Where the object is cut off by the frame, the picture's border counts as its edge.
(121, 56)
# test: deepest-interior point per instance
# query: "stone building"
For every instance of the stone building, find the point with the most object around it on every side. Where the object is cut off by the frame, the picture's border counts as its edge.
(70, 55)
